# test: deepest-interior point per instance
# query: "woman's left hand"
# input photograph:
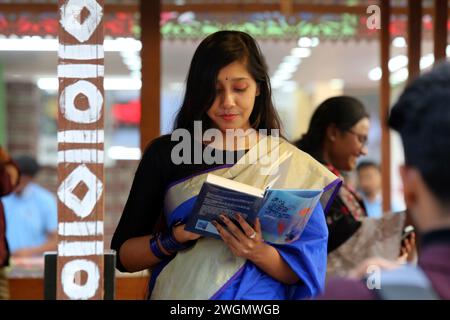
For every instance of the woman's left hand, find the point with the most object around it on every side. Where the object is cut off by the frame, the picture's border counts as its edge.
(245, 244)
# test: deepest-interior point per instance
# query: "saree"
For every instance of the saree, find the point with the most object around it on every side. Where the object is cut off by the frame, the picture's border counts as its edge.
(209, 270)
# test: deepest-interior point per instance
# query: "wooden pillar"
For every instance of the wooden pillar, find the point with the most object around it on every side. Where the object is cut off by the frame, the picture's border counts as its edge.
(414, 38)
(80, 150)
(151, 70)
(385, 92)
(440, 29)
(286, 7)
(3, 114)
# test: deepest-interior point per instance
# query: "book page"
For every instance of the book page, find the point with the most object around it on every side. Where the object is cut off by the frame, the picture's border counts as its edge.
(234, 185)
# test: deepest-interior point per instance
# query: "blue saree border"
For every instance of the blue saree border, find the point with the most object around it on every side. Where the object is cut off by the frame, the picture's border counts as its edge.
(333, 195)
(228, 283)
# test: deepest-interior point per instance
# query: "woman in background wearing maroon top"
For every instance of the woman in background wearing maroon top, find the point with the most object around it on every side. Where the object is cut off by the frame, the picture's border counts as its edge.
(9, 178)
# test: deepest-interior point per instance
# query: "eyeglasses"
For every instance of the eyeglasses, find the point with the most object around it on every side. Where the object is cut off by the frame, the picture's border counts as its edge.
(361, 137)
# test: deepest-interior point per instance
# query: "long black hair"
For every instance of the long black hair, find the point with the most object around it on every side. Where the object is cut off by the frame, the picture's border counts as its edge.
(215, 52)
(342, 111)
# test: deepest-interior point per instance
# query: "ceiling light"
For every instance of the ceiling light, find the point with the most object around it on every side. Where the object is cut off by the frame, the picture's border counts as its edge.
(399, 42)
(281, 75)
(287, 67)
(304, 42)
(314, 42)
(301, 52)
(292, 60)
(375, 74)
(399, 76)
(397, 62)
(426, 61)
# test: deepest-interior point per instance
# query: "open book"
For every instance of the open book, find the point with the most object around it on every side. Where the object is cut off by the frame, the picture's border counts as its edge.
(283, 213)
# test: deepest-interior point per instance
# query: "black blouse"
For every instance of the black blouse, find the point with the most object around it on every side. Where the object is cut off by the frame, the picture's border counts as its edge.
(341, 224)
(156, 171)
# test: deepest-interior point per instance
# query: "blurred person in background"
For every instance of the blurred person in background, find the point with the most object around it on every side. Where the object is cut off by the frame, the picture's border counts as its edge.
(422, 118)
(369, 185)
(9, 177)
(31, 214)
(337, 137)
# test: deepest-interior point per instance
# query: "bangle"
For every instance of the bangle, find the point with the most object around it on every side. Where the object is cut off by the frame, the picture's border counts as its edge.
(155, 249)
(170, 244)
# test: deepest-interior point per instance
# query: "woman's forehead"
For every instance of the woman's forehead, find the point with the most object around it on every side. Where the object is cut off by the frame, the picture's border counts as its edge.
(362, 124)
(235, 71)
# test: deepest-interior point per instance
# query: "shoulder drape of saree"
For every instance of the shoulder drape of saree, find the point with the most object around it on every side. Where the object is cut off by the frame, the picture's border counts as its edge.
(201, 271)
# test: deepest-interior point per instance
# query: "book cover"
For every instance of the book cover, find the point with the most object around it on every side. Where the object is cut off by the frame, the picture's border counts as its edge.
(219, 195)
(283, 213)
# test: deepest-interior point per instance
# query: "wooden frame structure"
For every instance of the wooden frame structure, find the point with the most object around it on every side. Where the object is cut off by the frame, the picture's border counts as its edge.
(151, 55)
(220, 7)
(80, 193)
(385, 93)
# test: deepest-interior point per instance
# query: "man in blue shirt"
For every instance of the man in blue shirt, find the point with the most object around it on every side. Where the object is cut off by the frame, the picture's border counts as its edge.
(369, 184)
(31, 214)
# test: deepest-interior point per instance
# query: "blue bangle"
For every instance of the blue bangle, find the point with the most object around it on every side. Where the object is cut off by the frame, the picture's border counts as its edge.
(170, 244)
(154, 247)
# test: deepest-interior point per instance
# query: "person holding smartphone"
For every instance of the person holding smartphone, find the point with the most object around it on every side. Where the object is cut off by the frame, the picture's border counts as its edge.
(422, 117)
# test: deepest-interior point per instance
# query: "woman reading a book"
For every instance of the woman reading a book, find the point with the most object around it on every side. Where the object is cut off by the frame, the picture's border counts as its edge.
(337, 137)
(227, 113)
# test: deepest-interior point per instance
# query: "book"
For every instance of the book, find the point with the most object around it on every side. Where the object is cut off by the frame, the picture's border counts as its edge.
(283, 213)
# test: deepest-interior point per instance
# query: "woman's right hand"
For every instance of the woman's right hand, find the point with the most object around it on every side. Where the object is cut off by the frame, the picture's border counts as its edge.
(182, 235)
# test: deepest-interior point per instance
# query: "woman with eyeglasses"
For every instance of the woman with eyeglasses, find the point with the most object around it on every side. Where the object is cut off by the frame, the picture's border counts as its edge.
(337, 137)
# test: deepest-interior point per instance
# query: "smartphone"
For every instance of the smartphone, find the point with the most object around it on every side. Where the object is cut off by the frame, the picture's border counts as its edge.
(407, 232)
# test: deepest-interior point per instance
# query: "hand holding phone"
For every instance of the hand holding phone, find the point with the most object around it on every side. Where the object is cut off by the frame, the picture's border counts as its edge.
(407, 232)
(408, 250)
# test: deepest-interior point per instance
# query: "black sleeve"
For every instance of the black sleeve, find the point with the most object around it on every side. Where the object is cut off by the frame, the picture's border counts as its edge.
(341, 224)
(145, 201)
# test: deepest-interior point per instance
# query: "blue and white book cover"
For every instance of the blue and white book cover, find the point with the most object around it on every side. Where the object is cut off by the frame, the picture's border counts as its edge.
(286, 212)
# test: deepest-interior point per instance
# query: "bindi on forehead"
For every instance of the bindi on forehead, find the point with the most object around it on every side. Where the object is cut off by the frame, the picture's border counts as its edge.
(234, 79)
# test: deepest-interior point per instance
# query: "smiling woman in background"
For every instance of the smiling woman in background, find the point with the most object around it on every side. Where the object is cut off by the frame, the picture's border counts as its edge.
(337, 137)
